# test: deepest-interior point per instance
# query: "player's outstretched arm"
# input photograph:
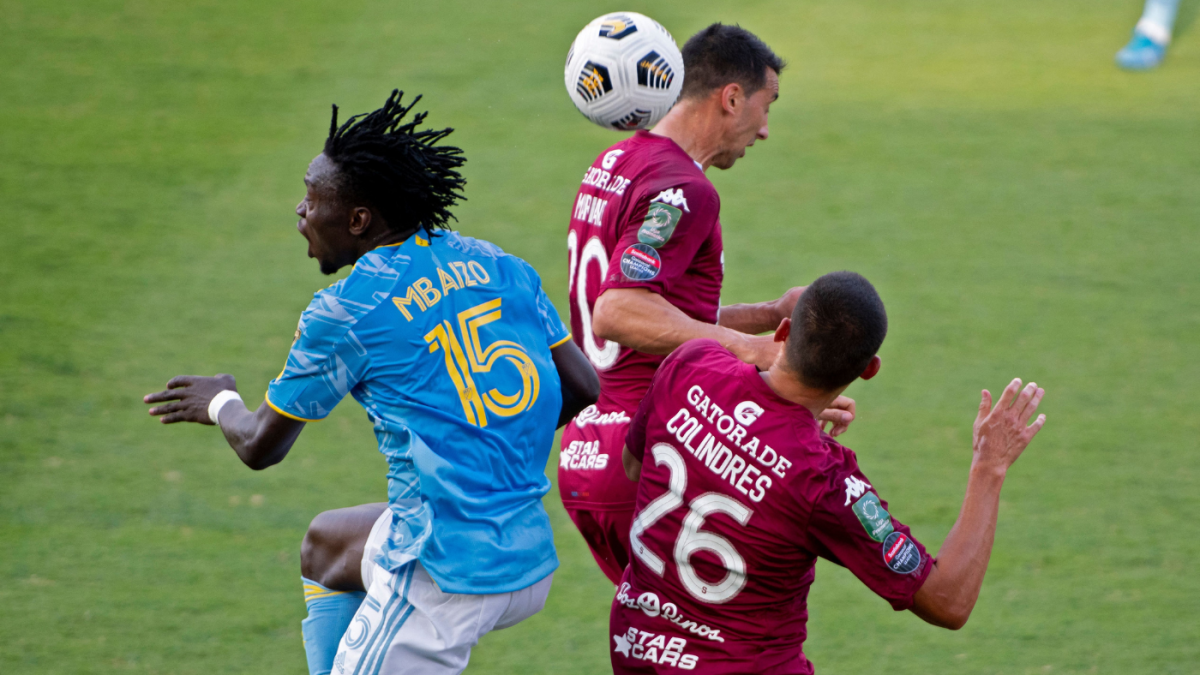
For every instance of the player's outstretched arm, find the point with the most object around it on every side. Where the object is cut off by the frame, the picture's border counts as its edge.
(261, 438)
(759, 317)
(580, 384)
(1001, 435)
(643, 320)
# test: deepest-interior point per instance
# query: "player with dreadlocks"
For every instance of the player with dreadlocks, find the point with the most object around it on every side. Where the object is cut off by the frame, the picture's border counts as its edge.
(465, 370)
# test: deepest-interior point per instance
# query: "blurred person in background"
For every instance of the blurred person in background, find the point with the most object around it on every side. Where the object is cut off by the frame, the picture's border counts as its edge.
(1151, 36)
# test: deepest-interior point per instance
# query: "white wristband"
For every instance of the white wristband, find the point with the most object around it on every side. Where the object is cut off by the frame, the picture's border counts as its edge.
(219, 400)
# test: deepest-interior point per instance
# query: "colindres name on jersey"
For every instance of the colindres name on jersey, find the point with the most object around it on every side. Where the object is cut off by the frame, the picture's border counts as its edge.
(707, 416)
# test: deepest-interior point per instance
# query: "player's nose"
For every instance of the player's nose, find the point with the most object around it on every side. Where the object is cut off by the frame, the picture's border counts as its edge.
(763, 132)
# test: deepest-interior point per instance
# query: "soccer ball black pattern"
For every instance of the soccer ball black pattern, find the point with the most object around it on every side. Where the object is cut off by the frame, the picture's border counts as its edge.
(624, 71)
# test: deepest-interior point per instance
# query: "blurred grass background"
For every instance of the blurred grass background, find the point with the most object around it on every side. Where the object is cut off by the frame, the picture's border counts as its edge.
(1025, 209)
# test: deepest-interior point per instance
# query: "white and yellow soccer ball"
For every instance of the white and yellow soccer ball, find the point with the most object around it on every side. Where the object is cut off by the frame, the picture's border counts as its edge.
(624, 71)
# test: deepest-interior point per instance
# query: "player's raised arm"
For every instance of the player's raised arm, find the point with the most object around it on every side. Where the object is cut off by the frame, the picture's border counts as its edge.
(1001, 435)
(759, 317)
(645, 321)
(261, 438)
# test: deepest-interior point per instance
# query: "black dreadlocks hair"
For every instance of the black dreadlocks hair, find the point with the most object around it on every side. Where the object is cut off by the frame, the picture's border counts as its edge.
(400, 171)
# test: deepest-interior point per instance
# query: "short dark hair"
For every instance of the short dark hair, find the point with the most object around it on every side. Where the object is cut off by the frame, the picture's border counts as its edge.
(720, 54)
(395, 168)
(837, 326)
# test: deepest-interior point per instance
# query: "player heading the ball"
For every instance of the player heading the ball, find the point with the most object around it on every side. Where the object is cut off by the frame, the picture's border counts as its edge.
(646, 261)
(739, 492)
(464, 369)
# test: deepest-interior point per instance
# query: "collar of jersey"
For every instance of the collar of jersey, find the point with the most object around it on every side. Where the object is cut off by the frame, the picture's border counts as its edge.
(421, 241)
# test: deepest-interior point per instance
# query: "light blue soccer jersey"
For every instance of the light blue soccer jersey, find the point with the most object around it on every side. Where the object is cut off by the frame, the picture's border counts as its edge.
(446, 344)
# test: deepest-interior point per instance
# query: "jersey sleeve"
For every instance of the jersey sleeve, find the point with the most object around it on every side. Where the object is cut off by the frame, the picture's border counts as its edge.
(326, 361)
(850, 525)
(552, 325)
(556, 331)
(658, 243)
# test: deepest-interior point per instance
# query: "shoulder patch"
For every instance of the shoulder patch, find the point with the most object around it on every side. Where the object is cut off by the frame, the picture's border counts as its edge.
(659, 224)
(640, 263)
(874, 518)
(900, 554)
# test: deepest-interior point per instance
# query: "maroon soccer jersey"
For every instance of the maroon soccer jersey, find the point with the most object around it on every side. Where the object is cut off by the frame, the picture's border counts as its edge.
(740, 494)
(645, 217)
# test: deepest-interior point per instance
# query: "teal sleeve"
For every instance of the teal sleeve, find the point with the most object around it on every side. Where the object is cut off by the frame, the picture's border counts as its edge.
(326, 361)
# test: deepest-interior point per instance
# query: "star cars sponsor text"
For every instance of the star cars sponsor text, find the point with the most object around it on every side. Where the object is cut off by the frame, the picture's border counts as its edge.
(646, 646)
(584, 455)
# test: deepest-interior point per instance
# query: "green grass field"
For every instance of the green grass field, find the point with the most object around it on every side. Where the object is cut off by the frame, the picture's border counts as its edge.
(1024, 208)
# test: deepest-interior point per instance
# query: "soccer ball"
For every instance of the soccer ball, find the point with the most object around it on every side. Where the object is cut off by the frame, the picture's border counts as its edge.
(624, 71)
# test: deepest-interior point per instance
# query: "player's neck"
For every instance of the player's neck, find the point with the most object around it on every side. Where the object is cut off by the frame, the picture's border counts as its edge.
(695, 128)
(383, 236)
(787, 386)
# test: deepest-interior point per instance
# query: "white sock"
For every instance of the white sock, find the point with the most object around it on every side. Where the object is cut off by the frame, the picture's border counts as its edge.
(1158, 19)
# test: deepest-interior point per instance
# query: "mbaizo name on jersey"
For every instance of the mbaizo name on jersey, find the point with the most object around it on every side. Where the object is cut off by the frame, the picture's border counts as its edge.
(425, 294)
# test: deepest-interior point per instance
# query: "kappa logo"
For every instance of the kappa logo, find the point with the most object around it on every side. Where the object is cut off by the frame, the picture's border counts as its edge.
(855, 489)
(674, 197)
(747, 412)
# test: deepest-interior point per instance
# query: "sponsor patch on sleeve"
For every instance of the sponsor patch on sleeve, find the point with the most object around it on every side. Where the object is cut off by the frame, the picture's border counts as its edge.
(874, 518)
(640, 263)
(659, 224)
(900, 554)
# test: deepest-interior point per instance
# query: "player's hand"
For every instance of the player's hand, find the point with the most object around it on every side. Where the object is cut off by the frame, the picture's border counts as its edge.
(1002, 433)
(759, 351)
(189, 396)
(840, 414)
(787, 302)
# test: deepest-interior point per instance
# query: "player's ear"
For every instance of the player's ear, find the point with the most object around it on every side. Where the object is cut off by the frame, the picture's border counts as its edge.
(784, 330)
(360, 220)
(872, 368)
(732, 97)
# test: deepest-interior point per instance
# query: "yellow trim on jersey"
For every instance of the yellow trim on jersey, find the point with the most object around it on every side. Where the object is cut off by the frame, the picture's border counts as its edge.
(420, 242)
(561, 342)
(313, 592)
(285, 413)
